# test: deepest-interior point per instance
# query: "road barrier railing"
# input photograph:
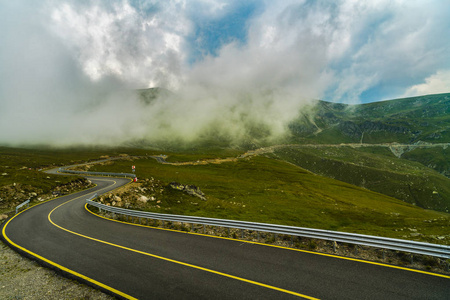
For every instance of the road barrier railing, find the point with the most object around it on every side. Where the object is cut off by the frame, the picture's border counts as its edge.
(441, 251)
(27, 203)
(63, 170)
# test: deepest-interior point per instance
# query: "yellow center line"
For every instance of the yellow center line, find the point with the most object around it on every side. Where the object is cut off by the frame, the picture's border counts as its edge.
(172, 260)
(281, 247)
(62, 268)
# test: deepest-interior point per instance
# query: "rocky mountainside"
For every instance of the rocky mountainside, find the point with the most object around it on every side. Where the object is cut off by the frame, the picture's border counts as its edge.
(409, 120)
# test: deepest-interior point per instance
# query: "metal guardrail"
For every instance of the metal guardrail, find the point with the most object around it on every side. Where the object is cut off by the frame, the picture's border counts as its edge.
(97, 173)
(436, 250)
(27, 203)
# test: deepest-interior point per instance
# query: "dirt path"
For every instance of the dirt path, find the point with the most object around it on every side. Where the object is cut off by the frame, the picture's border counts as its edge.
(397, 150)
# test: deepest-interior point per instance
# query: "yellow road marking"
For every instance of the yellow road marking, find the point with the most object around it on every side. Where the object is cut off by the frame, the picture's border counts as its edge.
(104, 286)
(175, 261)
(281, 247)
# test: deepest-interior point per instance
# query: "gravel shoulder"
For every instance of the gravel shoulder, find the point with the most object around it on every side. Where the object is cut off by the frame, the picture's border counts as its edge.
(21, 278)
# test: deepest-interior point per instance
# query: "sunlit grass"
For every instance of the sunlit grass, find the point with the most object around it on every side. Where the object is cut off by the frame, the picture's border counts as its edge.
(267, 190)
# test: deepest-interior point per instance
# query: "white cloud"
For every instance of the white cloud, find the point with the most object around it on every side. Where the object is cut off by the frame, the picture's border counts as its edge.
(118, 39)
(435, 84)
(65, 64)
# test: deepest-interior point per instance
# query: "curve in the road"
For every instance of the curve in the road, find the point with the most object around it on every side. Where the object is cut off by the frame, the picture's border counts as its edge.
(143, 262)
(168, 260)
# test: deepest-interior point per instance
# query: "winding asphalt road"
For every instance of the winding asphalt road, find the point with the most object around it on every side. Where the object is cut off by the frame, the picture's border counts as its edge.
(133, 261)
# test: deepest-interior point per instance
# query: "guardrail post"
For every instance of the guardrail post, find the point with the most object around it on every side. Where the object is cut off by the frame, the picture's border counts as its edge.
(228, 229)
(257, 236)
(356, 249)
(334, 246)
(242, 233)
(163, 224)
(204, 228)
(412, 258)
(384, 255)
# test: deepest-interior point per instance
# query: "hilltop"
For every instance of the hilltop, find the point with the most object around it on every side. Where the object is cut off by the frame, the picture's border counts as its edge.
(409, 120)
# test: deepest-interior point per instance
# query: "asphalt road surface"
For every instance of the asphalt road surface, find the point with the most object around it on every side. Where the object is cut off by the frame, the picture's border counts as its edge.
(146, 263)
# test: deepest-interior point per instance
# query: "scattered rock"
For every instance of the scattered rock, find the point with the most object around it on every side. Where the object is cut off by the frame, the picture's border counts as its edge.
(189, 189)
(3, 217)
(143, 199)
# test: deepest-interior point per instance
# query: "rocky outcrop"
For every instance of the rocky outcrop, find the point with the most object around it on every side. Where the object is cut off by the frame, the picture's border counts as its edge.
(189, 189)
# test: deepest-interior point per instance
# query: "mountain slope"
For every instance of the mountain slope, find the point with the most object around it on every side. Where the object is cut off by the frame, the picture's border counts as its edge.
(424, 118)
(375, 169)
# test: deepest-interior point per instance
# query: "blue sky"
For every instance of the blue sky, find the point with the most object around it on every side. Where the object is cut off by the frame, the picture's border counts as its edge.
(233, 61)
(346, 51)
(379, 30)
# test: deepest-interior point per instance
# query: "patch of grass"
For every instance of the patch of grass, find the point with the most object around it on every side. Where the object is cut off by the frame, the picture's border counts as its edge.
(376, 169)
(202, 154)
(435, 158)
(266, 190)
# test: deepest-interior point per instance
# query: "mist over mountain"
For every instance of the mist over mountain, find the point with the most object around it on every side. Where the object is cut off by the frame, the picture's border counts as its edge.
(240, 72)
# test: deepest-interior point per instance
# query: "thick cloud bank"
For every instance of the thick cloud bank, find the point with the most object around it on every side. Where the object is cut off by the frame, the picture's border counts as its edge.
(238, 71)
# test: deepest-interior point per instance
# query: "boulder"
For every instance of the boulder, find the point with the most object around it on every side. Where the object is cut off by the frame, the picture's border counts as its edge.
(143, 199)
(3, 217)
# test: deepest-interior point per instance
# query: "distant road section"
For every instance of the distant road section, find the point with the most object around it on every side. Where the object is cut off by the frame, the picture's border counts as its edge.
(140, 262)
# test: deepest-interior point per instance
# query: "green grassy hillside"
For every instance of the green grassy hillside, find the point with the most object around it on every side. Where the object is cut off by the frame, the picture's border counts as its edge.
(20, 175)
(266, 189)
(376, 169)
(424, 118)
